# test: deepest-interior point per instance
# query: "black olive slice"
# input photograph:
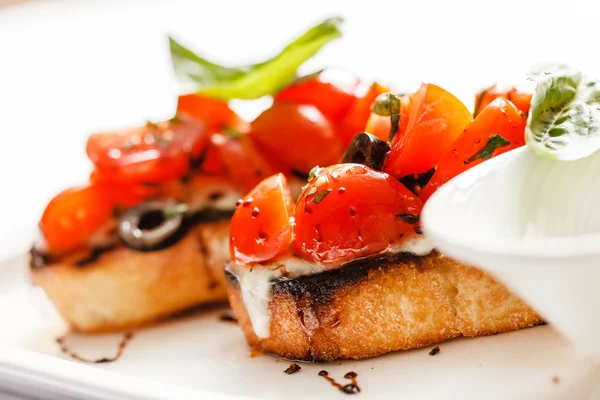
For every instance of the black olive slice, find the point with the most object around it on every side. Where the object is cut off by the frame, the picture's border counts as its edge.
(368, 150)
(152, 225)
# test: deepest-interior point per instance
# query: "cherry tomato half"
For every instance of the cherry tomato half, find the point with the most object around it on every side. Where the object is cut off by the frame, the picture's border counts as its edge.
(521, 100)
(260, 227)
(215, 114)
(149, 154)
(436, 118)
(349, 211)
(357, 116)
(298, 135)
(74, 216)
(501, 118)
(331, 91)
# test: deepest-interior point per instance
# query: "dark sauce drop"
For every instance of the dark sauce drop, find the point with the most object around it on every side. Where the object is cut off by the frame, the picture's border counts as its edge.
(434, 351)
(228, 318)
(351, 388)
(94, 255)
(292, 369)
(122, 344)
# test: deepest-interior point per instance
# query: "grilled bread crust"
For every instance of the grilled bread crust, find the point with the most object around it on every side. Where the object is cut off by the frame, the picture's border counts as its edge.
(125, 288)
(381, 304)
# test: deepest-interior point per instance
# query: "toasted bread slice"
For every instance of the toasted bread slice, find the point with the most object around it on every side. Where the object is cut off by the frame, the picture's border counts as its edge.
(381, 304)
(124, 288)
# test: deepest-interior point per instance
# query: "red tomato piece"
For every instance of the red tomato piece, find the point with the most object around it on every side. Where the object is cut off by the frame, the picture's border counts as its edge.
(357, 116)
(74, 216)
(124, 195)
(521, 100)
(380, 126)
(212, 164)
(500, 117)
(149, 154)
(436, 118)
(215, 114)
(349, 211)
(298, 135)
(331, 91)
(260, 227)
(245, 163)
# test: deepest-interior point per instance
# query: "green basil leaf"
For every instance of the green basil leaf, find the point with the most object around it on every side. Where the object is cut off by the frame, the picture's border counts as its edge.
(564, 121)
(255, 80)
(190, 67)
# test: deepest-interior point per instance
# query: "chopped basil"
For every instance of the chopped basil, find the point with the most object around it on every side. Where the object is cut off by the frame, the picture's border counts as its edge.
(494, 141)
(388, 105)
(255, 80)
(409, 218)
(564, 121)
(321, 195)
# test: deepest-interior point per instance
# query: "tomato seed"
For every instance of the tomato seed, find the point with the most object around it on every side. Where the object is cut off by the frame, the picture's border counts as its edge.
(255, 212)
(247, 202)
(262, 236)
(352, 212)
(342, 190)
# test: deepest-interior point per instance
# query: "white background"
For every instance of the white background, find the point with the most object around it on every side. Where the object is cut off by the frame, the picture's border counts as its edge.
(69, 68)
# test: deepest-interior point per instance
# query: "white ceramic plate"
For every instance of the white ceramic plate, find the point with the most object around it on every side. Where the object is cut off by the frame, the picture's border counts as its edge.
(200, 355)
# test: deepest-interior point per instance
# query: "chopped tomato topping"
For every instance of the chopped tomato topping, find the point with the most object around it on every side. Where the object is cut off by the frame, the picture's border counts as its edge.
(521, 100)
(74, 216)
(357, 116)
(349, 211)
(436, 118)
(380, 126)
(124, 194)
(211, 163)
(245, 163)
(260, 227)
(215, 114)
(499, 127)
(331, 91)
(298, 135)
(150, 154)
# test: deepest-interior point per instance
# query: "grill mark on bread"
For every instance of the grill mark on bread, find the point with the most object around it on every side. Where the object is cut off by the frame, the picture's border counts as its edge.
(406, 297)
(94, 255)
(322, 287)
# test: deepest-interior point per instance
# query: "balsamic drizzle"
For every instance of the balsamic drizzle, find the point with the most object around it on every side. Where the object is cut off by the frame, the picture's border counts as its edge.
(292, 369)
(65, 349)
(350, 388)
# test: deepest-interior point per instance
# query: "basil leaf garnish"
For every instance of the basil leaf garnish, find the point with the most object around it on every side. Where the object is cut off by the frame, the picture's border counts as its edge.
(254, 80)
(564, 121)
